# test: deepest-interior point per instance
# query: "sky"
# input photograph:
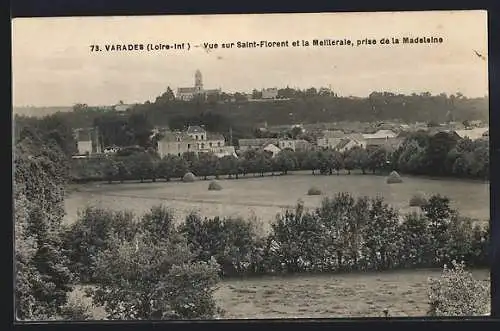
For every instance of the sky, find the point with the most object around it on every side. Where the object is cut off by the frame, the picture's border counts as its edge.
(53, 65)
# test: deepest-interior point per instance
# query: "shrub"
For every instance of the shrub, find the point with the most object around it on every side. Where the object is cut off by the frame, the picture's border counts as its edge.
(76, 310)
(394, 178)
(233, 242)
(457, 293)
(189, 177)
(297, 242)
(214, 186)
(314, 191)
(140, 281)
(417, 200)
(89, 235)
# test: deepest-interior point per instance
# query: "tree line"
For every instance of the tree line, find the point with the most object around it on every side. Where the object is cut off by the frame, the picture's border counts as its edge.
(109, 250)
(442, 154)
(307, 106)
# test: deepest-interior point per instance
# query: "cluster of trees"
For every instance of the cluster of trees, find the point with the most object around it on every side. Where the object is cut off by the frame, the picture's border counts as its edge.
(443, 154)
(42, 275)
(319, 106)
(343, 234)
(164, 281)
(149, 166)
(154, 267)
(314, 106)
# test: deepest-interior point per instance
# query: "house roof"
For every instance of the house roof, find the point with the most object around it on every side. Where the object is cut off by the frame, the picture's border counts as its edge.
(214, 136)
(122, 107)
(356, 136)
(256, 141)
(195, 129)
(472, 134)
(343, 143)
(380, 134)
(172, 136)
(186, 90)
(333, 134)
(272, 148)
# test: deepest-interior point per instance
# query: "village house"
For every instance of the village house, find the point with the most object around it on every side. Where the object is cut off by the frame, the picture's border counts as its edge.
(473, 134)
(379, 138)
(196, 139)
(272, 149)
(87, 141)
(349, 142)
(330, 139)
(269, 93)
(294, 144)
(256, 143)
(121, 107)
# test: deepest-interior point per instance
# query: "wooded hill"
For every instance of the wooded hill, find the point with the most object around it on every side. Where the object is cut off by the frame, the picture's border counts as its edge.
(243, 116)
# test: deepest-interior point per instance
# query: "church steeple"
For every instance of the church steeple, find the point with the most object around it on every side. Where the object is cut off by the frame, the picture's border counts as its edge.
(198, 81)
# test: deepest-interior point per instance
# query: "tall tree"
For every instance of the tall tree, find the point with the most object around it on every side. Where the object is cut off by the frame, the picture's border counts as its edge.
(42, 277)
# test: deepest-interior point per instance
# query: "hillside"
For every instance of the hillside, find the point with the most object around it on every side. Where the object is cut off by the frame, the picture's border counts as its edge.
(40, 111)
(244, 116)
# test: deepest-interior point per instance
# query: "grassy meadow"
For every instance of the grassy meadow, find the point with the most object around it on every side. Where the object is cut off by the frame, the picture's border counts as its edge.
(402, 293)
(264, 197)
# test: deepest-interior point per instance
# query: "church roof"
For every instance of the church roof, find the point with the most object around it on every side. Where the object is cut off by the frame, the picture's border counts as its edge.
(186, 90)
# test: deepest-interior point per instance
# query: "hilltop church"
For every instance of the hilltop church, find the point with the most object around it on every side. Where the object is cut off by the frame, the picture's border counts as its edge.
(189, 93)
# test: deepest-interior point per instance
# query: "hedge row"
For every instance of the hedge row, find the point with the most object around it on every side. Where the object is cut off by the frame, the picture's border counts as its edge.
(343, 234)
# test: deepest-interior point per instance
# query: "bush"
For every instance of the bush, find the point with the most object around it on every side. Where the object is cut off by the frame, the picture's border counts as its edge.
(417, 200)
(189, 177)
(140, 281)
(214, 186)
(233, 242)
(457, 293)
(394, 178)
(89, 235)
(76, 310)
(314, 191)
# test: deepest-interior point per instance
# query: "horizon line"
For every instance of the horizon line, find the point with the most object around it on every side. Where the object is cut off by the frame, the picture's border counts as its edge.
(295, 88)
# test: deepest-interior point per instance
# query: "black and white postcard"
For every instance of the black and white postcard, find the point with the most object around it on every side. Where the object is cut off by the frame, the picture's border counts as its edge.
(256, 166)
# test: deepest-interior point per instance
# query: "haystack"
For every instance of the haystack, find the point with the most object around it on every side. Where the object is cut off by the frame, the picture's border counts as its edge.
(314, 191)
(394, 178)
(417, 200)
(214, 186)
(189, 177)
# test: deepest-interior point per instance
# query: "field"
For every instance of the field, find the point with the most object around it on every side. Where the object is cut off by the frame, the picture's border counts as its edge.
(402, 293)
(264, 197)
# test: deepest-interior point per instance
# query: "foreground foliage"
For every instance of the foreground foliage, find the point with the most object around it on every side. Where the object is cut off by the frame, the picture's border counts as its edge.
(457, 293)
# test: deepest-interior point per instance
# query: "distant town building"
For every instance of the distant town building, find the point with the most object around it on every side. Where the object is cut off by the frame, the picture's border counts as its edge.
(379, 138)
(121, 107)
(473, 134)
(269, 93)
(256, 143)
(87, 141)
(111, 150)
(272, 149)
(189, 93)
(330, 139)
(196, 139)
(294, 144)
